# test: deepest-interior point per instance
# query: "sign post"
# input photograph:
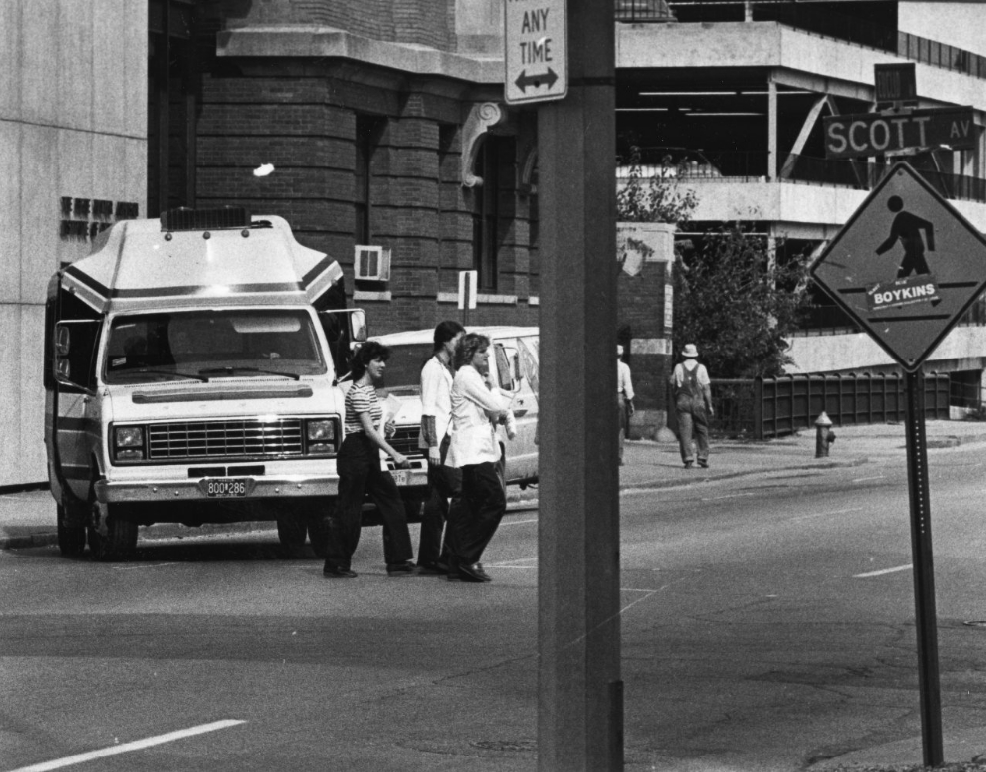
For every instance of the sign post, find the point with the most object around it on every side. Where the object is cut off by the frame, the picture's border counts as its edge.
(467, 294)
(906, 267)
(926, 617)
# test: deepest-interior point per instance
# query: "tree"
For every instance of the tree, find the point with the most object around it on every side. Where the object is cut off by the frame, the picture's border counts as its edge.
(659, 199)
(738, 303)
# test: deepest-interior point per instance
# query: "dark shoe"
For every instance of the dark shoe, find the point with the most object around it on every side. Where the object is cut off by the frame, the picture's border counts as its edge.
(407, 568)
(333, 571)
(473, 572)
(703, 463)
(433, 567)
(688, 465)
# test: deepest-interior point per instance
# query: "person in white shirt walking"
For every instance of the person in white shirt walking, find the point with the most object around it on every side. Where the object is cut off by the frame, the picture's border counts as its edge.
(692, 392)
(624, 396)
(444, 482)
(476, 411)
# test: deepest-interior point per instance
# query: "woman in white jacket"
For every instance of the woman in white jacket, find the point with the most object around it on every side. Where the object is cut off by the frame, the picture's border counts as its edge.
(474, 450)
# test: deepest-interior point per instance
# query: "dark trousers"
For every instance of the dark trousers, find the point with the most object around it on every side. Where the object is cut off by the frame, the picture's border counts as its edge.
(483, 506)
(693, 421)
(360, 474)
(441, 506)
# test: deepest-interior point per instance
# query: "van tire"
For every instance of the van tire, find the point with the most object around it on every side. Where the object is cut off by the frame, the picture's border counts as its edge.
(120, 541)
(318, 526)
(291, 531)
(71, 537)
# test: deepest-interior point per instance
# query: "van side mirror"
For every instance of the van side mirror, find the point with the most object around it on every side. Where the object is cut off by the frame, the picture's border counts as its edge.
(63, 340)
(75, 352)
(357, 325)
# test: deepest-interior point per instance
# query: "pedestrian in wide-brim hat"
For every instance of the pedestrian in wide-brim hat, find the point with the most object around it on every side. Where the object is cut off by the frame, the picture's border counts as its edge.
(692, 392)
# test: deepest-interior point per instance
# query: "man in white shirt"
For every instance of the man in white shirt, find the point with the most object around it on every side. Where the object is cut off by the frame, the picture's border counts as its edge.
(444, 482)
(624, 396)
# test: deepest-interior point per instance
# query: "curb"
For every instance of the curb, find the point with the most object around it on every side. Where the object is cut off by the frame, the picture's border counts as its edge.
(658, 484)
(28, 541)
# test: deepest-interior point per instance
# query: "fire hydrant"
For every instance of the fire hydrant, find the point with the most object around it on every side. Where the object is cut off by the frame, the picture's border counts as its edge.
(824, 436)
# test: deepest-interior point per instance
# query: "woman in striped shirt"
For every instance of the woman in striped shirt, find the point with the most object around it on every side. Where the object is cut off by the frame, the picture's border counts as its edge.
(360, 474)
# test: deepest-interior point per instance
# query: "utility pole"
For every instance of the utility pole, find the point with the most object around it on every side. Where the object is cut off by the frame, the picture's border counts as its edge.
(580, 710)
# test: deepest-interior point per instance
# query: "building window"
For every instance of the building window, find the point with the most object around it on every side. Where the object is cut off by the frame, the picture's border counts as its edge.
(368, 131)
(174, 76)
(486, 214)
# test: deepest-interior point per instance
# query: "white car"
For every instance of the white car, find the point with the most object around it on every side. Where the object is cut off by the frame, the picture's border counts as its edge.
(513, 361)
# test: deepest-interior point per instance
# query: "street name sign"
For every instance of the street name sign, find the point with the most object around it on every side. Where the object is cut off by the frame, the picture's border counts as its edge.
(535, 56)
(872, 134)
(906, 266)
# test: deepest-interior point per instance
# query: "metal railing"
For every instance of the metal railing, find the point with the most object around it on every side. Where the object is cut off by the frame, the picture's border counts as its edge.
(758, 408)
(643, 11)
(865, 176)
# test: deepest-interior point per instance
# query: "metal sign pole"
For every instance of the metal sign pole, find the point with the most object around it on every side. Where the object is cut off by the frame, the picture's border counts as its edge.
(924, 573)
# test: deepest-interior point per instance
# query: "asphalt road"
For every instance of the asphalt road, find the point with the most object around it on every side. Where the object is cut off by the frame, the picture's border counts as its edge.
(767, 624)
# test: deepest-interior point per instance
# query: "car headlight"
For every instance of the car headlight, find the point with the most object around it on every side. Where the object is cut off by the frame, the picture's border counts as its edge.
(129, 436)
(321, 430)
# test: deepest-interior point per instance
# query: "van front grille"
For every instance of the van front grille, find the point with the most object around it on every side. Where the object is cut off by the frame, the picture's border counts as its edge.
(405, 441)
(225, 439)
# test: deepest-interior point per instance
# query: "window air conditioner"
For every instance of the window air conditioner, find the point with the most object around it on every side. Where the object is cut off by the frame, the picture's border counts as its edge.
(372, 263)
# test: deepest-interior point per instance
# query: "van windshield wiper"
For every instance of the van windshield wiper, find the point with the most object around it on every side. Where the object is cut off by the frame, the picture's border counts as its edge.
(232, 370)
(171, 373)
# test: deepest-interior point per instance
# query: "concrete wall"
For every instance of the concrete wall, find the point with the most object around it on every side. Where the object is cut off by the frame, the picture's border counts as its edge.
(768, 44)
(73, 123)
(959, 24)
(828, 353)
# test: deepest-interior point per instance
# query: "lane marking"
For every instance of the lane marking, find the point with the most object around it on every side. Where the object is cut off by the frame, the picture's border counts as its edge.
(865, 479)
(516, 522)
(131, 568)
(138, 745)
(825, 514)
(883, 571)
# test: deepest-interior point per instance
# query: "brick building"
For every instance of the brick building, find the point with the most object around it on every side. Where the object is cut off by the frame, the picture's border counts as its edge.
(385, 126)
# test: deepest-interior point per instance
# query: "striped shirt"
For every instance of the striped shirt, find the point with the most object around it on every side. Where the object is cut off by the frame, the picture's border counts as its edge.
(361, 399)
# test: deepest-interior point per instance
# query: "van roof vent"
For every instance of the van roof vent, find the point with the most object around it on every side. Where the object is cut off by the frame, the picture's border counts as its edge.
(186, 219)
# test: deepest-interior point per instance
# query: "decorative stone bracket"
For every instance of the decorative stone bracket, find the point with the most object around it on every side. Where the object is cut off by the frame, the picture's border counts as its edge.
(482, 118)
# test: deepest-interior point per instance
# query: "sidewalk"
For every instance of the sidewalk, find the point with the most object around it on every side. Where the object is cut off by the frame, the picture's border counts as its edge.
(27, 518)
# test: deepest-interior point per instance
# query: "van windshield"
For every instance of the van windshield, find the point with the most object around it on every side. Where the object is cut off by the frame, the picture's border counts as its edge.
(403, 371)
(147, 347)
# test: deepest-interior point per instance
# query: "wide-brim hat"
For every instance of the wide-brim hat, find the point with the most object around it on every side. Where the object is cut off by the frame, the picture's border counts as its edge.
(690, 352)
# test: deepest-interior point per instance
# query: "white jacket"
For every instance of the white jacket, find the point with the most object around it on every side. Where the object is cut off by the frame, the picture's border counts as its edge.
(473, 433)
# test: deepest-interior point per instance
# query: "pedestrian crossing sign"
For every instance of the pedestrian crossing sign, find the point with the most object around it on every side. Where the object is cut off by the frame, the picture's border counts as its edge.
(906, 266)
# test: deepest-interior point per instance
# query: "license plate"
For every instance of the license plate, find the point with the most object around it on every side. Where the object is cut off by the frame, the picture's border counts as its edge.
(401, 476)
(225, 488)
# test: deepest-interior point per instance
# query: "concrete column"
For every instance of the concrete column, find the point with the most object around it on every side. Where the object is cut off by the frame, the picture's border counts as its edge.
(771, 129)
(580, 705)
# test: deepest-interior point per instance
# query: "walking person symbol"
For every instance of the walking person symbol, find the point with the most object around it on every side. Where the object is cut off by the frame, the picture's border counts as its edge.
(907, 229)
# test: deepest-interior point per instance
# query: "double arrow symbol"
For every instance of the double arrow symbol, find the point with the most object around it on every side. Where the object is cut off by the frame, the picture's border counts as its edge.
(525, 80)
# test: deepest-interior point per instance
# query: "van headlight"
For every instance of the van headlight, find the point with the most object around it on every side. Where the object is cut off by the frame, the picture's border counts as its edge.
(129, 436)
(128, 443)
(322, 435)
(321, 429)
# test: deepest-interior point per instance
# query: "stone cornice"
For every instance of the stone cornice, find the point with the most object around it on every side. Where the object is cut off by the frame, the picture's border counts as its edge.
(329, 42)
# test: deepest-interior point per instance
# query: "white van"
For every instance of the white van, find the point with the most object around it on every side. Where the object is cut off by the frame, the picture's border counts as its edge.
(513, 361)
(189, 380)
